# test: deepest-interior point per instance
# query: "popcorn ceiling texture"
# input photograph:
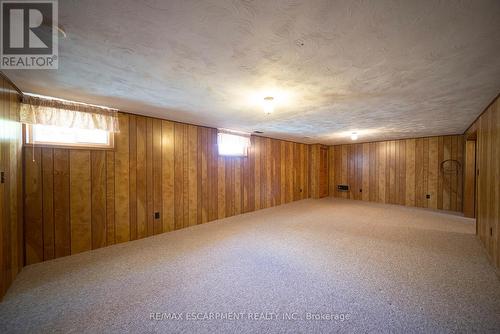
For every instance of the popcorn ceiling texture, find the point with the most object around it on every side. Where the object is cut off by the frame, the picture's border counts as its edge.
(386, 69)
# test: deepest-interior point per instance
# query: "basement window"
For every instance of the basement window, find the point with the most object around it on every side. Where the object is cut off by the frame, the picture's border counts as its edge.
(49, 135)
(232, 144)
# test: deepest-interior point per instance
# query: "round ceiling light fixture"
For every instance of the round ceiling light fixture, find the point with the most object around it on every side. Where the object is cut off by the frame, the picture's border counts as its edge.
(354, 136)
(268, 105)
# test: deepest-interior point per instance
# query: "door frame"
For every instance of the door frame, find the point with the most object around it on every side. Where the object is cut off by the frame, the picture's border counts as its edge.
(470, 176)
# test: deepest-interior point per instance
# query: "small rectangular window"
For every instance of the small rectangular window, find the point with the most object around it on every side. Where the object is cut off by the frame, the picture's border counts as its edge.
(231, 144)
(39, 134)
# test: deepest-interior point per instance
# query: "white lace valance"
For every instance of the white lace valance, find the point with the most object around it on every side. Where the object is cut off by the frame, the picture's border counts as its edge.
(47, 111)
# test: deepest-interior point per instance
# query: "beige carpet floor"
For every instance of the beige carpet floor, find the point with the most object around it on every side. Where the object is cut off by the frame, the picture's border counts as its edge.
(307, 267)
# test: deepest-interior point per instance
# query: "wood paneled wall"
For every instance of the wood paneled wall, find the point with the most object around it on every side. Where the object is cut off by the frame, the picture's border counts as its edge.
(488, 179)
(11, 220)
(469, 201)
(399, 172)
(79, 199)
(319, 171)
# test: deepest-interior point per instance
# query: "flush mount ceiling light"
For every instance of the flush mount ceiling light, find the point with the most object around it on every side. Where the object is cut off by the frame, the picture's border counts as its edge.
(268, 105)
(354, 136)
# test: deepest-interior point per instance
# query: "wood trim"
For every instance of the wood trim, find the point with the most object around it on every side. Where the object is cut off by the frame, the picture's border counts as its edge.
(487, 201)
(470, 179)
(389, 140)
(11, 84)
(475, 122)
(11, 195)
(27, 142)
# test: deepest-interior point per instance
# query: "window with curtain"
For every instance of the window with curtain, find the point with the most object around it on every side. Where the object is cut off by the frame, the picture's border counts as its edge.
(51, 121)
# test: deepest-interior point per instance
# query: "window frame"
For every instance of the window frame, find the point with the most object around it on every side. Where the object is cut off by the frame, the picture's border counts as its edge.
(28, 141)
(231, 133)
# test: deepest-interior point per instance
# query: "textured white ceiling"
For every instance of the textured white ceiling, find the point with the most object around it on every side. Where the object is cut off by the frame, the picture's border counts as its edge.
(386, 69)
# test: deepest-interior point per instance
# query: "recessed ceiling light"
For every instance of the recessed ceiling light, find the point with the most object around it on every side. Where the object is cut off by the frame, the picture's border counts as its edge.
(258, 132)
(354, 136)
(268, 105)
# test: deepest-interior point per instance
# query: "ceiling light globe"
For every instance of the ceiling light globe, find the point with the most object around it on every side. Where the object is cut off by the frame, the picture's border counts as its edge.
(268, 105)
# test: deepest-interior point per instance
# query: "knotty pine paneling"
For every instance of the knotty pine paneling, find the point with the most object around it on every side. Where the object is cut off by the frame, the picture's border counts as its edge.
(80, 199)
(399, 172)
(488, 179)
(11, 203)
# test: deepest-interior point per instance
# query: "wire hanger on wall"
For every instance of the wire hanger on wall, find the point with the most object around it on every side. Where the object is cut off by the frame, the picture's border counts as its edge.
(450, 166)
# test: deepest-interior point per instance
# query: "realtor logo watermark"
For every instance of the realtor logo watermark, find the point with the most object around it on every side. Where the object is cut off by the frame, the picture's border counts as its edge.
(29, 36)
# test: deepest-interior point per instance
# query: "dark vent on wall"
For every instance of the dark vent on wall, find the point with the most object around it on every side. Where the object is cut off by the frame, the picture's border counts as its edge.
(342, 187)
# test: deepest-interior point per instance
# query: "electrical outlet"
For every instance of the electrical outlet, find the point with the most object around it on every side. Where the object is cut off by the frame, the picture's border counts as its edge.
(427, 196)
(300, 189)
(157, 215)
(2, 177)
(360, 190)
